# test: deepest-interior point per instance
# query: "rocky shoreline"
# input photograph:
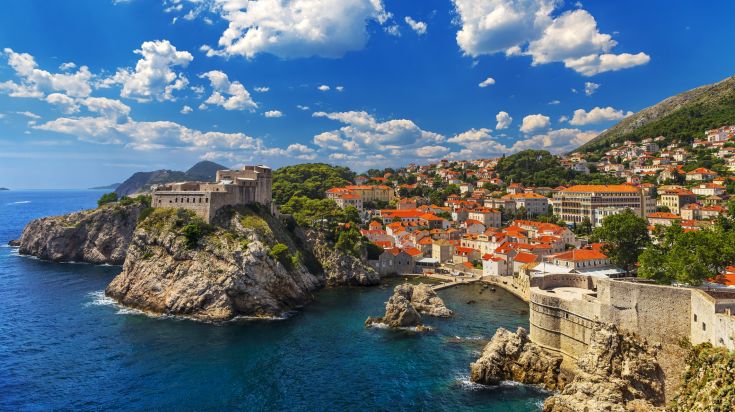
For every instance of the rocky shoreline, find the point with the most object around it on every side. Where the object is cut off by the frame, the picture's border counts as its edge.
(98, 236)
(230, 270)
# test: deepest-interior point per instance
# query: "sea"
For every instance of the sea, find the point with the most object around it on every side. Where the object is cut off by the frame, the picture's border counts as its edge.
(65, 346)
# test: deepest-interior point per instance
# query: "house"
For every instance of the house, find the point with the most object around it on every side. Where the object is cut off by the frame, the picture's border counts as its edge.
(395, 261)
(486, 216)
(465, 254)
(442, 250)
(534, 204)
(709, 189)
(349, 199)
(676, 198)
(662, 218)
(494, 266)
(700, 174)
(522, 259)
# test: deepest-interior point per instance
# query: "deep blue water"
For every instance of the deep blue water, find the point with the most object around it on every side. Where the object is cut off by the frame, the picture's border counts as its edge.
(63, 346)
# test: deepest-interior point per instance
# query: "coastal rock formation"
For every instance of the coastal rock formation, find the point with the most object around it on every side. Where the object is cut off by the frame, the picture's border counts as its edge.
(243, 265)
(340, 268)
(408, 302)
(618, 372)
(98, 236)
(425, 300)
(513, 357)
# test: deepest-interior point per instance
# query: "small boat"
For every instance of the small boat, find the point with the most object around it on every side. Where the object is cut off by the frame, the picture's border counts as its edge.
(470, 302)
(485, 286)
(492, 289)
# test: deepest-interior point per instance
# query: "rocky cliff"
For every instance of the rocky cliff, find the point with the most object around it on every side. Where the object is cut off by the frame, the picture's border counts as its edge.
(340, 268)
(98, 236)
(513, 357)
(408, 302)
(242, 265)
(619, 372)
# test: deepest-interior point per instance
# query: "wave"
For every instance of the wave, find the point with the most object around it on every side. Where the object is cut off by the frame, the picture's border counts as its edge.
(98, 298)
(20, 202)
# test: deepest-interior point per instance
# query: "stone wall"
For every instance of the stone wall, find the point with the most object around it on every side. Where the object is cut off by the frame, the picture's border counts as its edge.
(655, 312)
(562, 320)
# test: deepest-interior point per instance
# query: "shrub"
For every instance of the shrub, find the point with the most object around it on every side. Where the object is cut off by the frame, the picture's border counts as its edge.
(279, 251)
(195, 231)
(107, 198)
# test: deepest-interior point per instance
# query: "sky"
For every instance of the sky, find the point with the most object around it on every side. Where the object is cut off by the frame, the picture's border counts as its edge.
(92, 91)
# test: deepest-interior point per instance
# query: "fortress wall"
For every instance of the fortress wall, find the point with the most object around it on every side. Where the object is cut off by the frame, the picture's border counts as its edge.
(198, 202)
(560, 324)
(654, 312)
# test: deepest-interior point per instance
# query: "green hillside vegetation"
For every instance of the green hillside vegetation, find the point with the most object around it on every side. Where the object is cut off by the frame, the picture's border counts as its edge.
(541, 168)
(683, 117)
(310, 180)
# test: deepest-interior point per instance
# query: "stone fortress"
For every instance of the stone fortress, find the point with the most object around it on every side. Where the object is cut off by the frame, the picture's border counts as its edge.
(564, 309)
(251, 184)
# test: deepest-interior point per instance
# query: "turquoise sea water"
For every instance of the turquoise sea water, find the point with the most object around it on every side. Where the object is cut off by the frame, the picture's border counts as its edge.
(63, 346)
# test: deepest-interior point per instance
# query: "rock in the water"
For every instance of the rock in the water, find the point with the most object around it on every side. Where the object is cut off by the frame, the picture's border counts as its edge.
(98, 236)
(408, 302)
(340, 268)
(425, 300)
(230, 270)
(619, 372)
(513, 357)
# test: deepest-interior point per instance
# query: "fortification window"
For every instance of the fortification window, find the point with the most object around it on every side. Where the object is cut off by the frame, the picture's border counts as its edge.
(695, 317)
(704, 326)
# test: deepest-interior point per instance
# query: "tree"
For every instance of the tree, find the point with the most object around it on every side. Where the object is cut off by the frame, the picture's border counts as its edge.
(352, 215)
(584, 228)
(625, 236)
(689, 257)
(322, 213)
(310, 180)
(107, 198)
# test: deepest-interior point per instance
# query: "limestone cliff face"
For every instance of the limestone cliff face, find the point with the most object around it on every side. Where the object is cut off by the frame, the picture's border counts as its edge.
(98, 236)
(229, 270)
(618, 372)
(408, 302)
(513, 357)
(340, 268)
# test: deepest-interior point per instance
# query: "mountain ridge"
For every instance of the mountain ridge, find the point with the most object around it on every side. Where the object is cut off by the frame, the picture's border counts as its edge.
(141, 181)
(682, 116)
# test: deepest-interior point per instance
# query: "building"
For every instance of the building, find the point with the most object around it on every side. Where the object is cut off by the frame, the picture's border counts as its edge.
(442, 250)
(349, 199)
(534, 203)
(700, 174)
(486, 216)
(675, 199)
(395, 261)
(251, 184)
(576, 203)
(662, 218)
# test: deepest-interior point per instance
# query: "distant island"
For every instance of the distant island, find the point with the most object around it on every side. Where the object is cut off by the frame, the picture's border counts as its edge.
(108, 187)
(4, 188)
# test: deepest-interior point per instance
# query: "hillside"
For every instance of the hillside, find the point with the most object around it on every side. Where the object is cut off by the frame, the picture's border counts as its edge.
(682, 117)
(141, 181)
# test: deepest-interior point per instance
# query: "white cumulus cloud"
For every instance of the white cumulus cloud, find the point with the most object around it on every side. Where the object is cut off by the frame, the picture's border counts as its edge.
(230, 95)
(273, 113)
(153, 76)
(530, 27)
(417, 26)
(37, 83)
(597, 115)
(487, 82)
(504, 120)
(294, 29)
(534, 122)
(590, 88)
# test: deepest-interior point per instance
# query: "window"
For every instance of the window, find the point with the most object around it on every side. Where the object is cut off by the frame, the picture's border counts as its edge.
(695, 317)
(704, 326)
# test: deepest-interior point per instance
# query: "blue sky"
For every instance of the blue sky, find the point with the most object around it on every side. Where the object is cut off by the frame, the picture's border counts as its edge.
(92, 91)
